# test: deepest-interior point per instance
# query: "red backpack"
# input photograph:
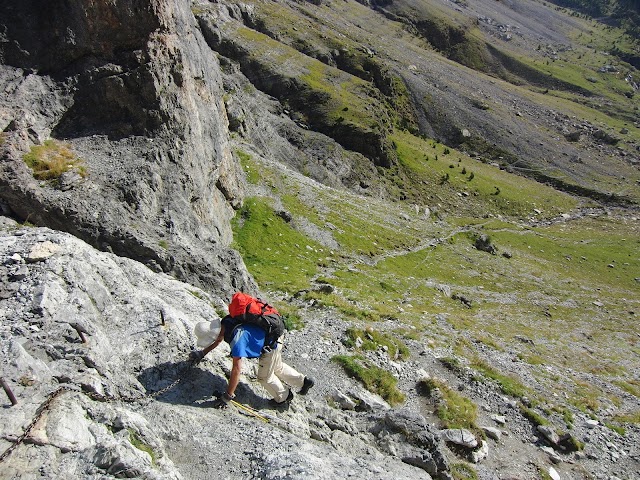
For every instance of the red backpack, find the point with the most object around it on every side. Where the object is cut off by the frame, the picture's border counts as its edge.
(247, 309)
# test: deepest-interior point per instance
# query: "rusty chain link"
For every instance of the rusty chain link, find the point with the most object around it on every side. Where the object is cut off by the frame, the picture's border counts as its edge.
(42, 409)
(39, 413)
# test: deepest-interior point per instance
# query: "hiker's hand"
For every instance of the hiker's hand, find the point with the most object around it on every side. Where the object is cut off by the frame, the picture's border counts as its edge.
(196, 356)
(220, 403)
(223, 400)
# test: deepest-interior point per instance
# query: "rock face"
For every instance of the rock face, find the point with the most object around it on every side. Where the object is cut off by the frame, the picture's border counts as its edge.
(122, 306)
(137, 93)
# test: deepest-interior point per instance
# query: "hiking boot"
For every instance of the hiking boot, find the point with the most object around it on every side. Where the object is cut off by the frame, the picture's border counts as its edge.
(284, 404)
(308, 383)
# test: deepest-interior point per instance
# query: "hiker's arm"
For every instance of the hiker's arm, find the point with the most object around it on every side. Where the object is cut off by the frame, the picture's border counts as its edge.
(234, 378)
(196, 356)
(227, 397)
(216, 343)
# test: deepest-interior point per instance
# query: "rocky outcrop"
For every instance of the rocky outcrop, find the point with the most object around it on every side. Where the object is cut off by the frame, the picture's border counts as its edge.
(133, 319)
(137, 93)
(294, 83)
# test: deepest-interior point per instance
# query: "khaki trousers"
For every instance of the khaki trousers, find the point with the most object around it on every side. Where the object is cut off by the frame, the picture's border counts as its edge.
(273, 372)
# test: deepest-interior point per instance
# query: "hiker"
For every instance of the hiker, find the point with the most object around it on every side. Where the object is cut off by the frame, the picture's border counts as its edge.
(248, 341)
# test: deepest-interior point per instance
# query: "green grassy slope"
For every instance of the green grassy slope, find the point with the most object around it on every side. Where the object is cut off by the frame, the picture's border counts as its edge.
(569, 287)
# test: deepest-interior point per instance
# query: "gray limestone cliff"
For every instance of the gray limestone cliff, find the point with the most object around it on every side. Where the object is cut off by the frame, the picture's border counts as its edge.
(132, 87)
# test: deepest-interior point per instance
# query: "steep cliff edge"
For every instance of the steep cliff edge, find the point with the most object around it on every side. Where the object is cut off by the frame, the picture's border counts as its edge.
(136, 93)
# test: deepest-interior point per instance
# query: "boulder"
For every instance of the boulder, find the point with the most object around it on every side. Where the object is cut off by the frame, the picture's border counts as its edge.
(343, 401)
(459, 436)
(553, 455)
(67, 426)
(368, 401)
(41, 251)
(479, 454)
(553, 474)
(492, 432)
(549, 434)
(483, 243)
(573, 136)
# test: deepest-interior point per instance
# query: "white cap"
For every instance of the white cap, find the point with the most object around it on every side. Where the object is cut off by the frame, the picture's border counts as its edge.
(207, 332)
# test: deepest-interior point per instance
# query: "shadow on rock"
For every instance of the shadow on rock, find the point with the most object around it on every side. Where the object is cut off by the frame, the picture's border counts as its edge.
(196, 387)
(195, 383)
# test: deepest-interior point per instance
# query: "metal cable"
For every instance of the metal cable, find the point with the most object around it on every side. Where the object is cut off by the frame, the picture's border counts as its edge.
(42, 409)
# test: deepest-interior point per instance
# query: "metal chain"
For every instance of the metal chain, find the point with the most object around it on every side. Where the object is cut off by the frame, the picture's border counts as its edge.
(126, 399)
(42, 409)
(39, 413)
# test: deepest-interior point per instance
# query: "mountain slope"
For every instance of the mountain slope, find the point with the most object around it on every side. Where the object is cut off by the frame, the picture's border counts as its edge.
(440, 197)
(528, 127)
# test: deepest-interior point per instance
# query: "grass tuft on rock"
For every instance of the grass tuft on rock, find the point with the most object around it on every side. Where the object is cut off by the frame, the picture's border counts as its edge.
(509, 385)
(463, 471)
(533, 416)
(137, 442)
(453, 409)
(290, 316)
(50, 160)
(374, 379)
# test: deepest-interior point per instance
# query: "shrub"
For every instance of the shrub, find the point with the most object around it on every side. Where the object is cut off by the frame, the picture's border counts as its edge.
(52, 159)
(374, 379)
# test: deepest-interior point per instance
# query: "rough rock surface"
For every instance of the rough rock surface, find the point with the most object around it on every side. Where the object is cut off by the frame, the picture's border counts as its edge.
(134, 89)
